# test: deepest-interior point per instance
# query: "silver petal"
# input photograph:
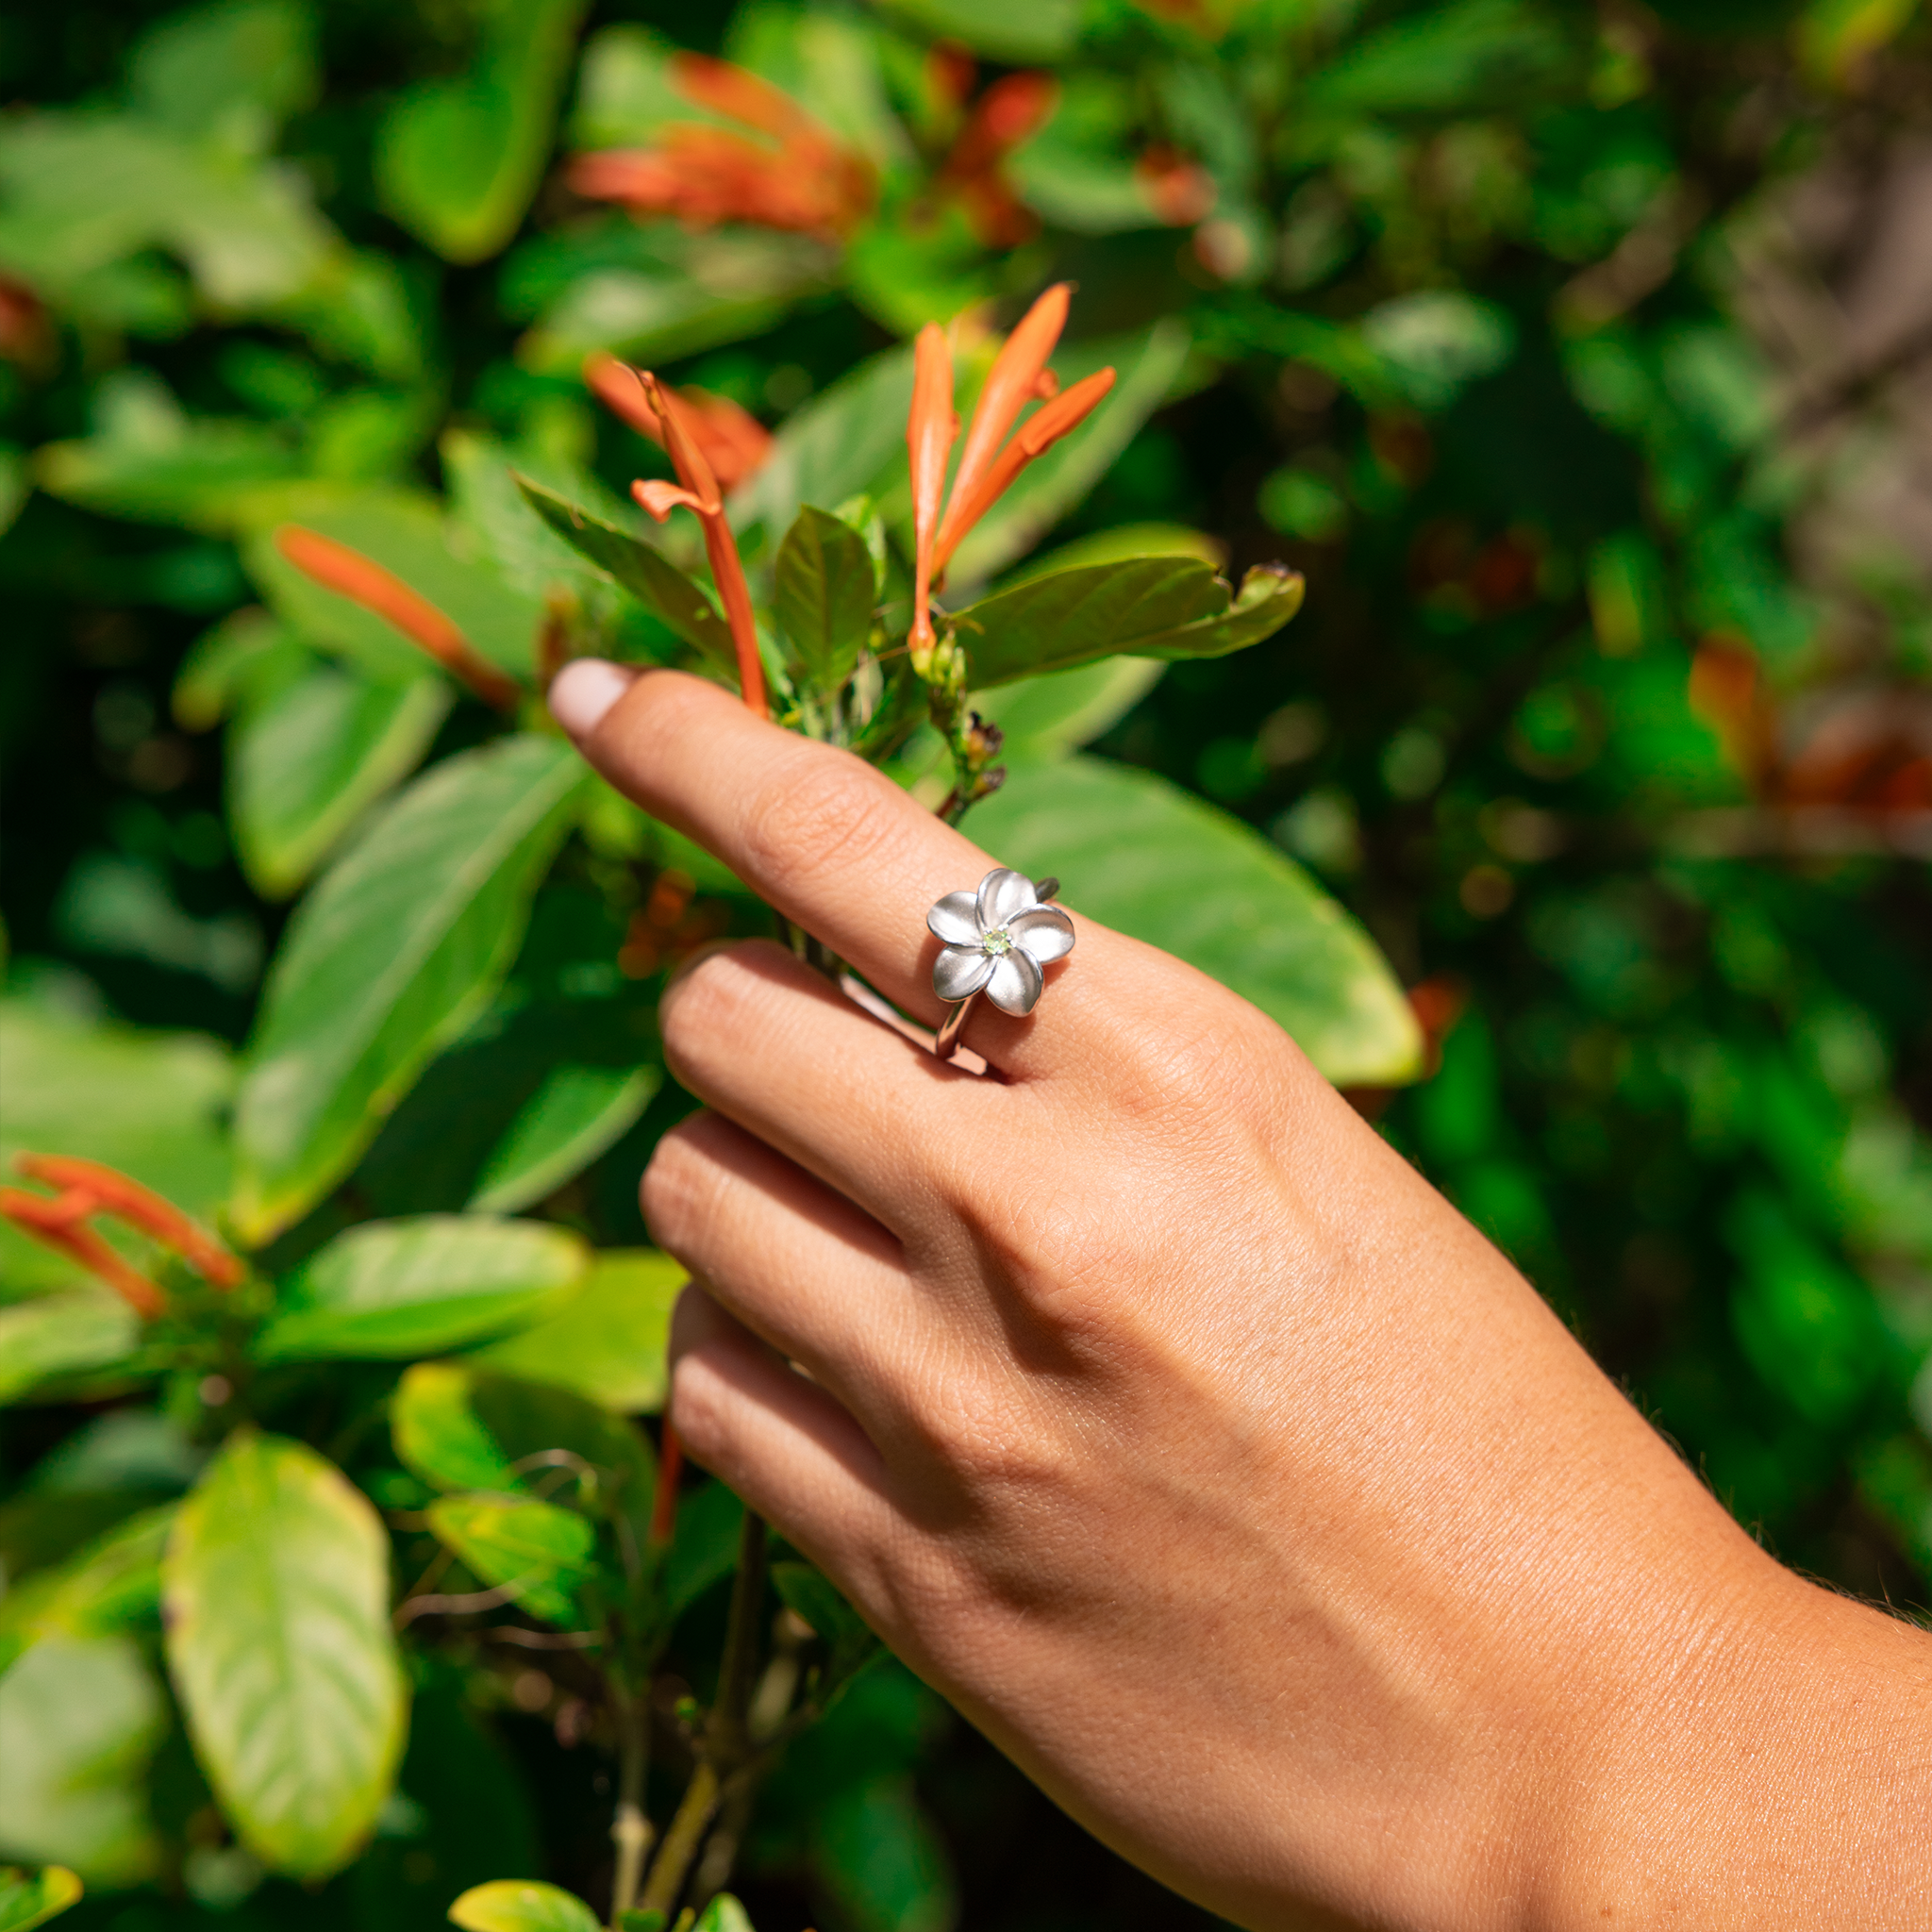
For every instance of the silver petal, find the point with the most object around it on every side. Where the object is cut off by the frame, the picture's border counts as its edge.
(1002, 894)
(957, 974)
(1015, 983)
(1045, 931)
(955, 920)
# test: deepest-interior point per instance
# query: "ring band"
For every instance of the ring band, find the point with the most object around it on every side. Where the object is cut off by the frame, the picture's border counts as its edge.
(996, 942)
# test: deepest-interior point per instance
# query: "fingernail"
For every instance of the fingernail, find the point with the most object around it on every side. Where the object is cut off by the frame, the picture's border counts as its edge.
(584, 690)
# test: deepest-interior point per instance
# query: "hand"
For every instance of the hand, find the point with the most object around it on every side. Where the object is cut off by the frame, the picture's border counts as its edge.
(1165, 1420)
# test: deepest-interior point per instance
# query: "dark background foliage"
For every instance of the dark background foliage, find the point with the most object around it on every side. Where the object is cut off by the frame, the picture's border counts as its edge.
(1672, 942)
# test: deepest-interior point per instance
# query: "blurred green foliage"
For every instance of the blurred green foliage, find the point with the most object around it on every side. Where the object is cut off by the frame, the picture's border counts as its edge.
(1516, 326)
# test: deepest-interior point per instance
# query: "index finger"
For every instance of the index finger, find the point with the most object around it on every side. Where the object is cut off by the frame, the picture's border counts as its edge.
(831, 843)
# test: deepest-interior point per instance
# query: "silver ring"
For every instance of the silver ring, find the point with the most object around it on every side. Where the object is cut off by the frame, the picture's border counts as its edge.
(995, 940)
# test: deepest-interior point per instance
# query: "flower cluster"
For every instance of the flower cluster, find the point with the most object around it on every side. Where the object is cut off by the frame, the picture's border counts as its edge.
(785, 170)
(990, 459)
(85, 1189)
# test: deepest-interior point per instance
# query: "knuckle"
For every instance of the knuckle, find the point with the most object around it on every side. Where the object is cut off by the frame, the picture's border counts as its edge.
(705, 1006)
(680, 1191)
(827, 814)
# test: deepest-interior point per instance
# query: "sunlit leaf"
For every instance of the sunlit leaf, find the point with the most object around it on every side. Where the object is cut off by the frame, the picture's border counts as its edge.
(396, 951)
(457, 160)
(522, 1904)
(390, 1290)
(1048, 717)
(109, 1586)
(150, 1104)
(608, 1343)
(575, 1116)
(276, 1588)
(31, 1898)
(49, 1335)
(1020, 31)
(409, 536)
(536, 1554)
(1137, 854)
(309, 756)
(81, 1718)
(1148, 607)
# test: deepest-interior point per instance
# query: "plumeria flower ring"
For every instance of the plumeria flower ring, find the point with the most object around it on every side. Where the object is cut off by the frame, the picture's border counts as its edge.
(996, 940)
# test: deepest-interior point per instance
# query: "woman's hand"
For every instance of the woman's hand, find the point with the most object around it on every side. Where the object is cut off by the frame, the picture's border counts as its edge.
(1166, 1420)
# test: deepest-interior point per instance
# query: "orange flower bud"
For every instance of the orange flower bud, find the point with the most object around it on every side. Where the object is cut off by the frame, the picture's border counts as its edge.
(116, 1193)
(57, 1225)
(363, 581)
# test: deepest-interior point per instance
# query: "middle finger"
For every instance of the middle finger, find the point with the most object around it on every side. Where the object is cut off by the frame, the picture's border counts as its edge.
(765, 1040)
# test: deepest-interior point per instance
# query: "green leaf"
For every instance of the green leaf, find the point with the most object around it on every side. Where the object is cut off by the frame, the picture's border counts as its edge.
(85, 191)
(1049, 717)
(575, 1116)
(229, 73)
(539, 1555)
(462, 1426)
(149, 1103)
(390, 1290)
(654, 293)
(608, 1343)
(108, 1587)
(1143, 856)
(247, 649)
(50, 1336)
(824, 593)
(522, 1904)
(1441, 60)
(704, 1545)
(81, 1718)
(832, 448)
(31, 1898)
(809, 1595)
(312, 756)
(676, 600)
(723, 1914)
(439, 1435)
(395, 952)
(1150, 364)
(457, 160)
(1019, 31)
(1145, 607)
(276, 1593)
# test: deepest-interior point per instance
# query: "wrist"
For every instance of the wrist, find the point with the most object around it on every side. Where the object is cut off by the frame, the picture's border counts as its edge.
(1748, 1759)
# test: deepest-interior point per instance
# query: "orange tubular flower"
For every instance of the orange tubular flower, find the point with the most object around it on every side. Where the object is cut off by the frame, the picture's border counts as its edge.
(1035, 436)
(788, 172)
(363, 581)
(701, 494)
(1013, 107)
(1012, 382)
(931, 428)
(57, 1225)
(733, 441)
(987, 469)
(115, 1193)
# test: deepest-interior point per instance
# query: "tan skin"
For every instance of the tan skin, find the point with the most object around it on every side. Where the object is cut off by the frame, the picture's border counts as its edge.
(1175, 1429)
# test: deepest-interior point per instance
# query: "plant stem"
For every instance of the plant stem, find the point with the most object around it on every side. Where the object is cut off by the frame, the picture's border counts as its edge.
(630, 1830)
(727, 1734)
